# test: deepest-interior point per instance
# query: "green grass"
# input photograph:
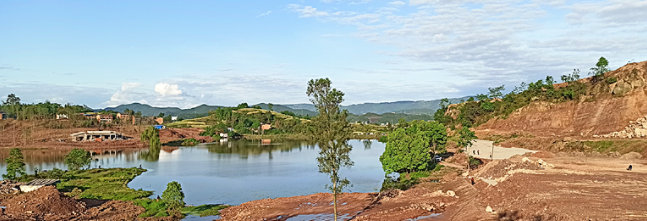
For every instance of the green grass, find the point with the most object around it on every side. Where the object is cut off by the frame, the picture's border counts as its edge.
(153, 207)
(108, 184)
(203, 210)
(601, 146)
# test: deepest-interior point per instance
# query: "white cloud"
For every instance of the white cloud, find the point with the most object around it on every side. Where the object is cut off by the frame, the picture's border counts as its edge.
(397, 3)
(264, 14)
(307, 11)
(165, 89)
(490, 42)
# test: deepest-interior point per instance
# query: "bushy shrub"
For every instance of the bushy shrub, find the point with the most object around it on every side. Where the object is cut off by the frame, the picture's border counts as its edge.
(190, 142)
(612, 80)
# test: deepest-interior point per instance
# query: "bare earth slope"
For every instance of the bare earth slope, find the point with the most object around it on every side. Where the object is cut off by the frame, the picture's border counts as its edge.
(606, 108)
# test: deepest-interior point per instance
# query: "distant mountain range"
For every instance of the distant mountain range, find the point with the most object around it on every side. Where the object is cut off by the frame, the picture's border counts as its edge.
(399, 108)
(404, 107)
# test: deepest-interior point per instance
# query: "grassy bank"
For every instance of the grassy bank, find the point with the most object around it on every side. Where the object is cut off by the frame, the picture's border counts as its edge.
(276, 137)
(112, 184)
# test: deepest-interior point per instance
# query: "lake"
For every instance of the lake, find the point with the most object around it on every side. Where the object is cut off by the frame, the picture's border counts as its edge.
(230, 172)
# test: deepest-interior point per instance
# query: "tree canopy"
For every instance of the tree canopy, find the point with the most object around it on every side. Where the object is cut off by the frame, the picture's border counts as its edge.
(77, 158)
(15, 164)
(600, 68)
(173, 197)
(408, 149)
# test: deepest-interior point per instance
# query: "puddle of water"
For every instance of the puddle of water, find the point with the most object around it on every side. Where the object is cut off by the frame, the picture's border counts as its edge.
(197, 218)
(425, 217)
(310, 217)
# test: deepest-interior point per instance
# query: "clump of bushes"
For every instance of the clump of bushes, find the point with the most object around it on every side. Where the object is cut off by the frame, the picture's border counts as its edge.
(190, 142)
(612, 80)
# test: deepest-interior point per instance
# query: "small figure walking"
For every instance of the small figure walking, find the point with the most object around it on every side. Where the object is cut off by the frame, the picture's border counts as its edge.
(478, 152)
(630, 167)
(140, 166)
(472, 180)
(473, 152)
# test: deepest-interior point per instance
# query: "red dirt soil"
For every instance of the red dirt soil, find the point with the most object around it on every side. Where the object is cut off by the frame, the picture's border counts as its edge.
(173, 134)
(47, 204)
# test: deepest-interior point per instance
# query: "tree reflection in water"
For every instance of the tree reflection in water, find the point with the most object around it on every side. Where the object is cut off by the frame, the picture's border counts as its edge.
(245, 148)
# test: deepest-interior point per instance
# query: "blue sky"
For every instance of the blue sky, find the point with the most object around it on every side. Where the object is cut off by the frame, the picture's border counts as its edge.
(186, 53)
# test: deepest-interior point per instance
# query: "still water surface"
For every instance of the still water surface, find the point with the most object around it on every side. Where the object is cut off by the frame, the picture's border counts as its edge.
(232, 172)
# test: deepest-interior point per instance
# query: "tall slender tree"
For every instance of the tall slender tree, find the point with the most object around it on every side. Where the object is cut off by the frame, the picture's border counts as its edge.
(331, 131)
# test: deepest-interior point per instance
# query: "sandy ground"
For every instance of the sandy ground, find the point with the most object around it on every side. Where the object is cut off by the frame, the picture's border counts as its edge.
(535, 186)
(485, 148)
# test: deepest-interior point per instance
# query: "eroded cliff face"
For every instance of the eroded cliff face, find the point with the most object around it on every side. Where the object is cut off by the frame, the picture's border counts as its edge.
(607, 108)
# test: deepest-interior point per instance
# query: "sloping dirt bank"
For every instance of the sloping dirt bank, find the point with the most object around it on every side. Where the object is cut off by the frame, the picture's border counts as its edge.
(47, 203)
(553, 187)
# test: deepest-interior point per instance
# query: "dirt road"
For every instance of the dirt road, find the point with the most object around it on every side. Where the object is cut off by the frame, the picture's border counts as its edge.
(483, 148)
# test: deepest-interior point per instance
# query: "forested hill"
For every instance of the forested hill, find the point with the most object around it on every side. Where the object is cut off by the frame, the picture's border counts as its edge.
(398, 107)
(199, 111)
(147, 110)
(405, 107)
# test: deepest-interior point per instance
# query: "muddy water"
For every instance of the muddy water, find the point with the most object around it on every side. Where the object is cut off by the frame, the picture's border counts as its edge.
(231, 172)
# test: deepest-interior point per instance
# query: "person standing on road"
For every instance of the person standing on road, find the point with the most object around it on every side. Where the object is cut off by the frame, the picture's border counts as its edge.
(478, 152)
(472, 180)
(473, 152)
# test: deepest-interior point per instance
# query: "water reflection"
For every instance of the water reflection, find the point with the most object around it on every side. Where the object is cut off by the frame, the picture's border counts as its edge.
(229, 173)
(256, 147)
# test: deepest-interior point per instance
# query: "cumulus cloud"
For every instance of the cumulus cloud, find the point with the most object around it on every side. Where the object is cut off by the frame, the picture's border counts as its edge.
(165, 89)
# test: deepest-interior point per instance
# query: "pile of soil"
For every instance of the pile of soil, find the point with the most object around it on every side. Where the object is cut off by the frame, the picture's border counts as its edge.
(501, 169)
(9, 187)
(631, 156)
(112, 210)
(42, 203)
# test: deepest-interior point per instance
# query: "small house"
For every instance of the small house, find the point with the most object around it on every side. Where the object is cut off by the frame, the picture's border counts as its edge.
(61, 116)
(3, 115)
(224, 135)
(38, 183)
(104, 117)
(173, 118)
(266, 126)
(159, 120)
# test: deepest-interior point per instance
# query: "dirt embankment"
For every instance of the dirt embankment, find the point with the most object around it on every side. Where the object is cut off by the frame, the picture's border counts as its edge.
(54, 134)
(536, 186)
(176, 134)
(47, 203)
(607, 108)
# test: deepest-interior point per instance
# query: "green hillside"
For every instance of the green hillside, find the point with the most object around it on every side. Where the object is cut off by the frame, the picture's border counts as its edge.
(147, 110)
(387, 117)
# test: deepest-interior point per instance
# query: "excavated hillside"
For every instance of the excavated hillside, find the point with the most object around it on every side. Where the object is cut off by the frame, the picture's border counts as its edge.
(607, 110)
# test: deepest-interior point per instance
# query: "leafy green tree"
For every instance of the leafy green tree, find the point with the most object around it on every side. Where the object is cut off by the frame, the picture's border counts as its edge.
(77, 158)
(242, 105)
(257, 107)
(15, 164)
(270, 106)
(406, 151)
(496, 92)
(161, 115)
(600, 68)
(402, 123)
(289, 113)
(465, 139)
(148, 134)
(173, 197)
(331, 131)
